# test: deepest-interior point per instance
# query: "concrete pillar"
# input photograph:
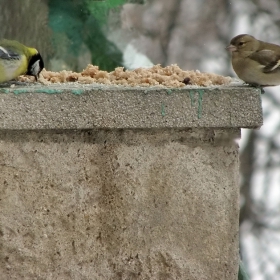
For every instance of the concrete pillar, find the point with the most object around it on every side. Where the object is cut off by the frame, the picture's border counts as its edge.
(121, 183)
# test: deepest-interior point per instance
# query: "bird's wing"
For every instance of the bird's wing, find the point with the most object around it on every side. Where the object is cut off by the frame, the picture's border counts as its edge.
(8, 54)
(268, 58)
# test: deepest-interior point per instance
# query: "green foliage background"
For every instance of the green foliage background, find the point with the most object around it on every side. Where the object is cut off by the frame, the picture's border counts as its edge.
(83, 23)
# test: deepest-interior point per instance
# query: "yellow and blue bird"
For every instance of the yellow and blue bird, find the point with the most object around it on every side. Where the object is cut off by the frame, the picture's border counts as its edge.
(17, 59)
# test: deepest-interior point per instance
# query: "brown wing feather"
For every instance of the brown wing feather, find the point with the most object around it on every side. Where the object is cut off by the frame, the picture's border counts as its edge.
(268, 58)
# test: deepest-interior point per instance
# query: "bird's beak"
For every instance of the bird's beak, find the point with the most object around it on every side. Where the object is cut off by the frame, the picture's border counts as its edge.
(231, 48)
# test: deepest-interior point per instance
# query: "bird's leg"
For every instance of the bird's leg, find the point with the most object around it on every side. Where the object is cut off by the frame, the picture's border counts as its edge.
(257, 86)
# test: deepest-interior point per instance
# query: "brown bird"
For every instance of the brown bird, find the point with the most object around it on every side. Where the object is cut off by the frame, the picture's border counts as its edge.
(255, 62)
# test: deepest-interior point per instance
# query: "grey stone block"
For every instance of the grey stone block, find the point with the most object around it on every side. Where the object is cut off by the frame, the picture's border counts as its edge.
(73, 107)
(104, 185)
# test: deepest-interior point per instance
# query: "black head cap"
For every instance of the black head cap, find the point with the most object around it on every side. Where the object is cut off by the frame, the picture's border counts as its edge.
(35, 65)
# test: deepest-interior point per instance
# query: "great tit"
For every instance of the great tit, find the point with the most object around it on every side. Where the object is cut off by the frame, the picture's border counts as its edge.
(17, 59)
(254, 61)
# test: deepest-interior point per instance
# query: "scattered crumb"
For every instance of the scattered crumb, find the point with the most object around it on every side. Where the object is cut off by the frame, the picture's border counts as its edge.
(169, 76)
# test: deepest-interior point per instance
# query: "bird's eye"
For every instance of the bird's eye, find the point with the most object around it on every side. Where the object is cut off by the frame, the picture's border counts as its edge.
(241, 43)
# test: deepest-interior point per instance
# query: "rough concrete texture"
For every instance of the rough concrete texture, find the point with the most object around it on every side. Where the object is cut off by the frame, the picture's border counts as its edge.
(119, 204)
(92, 106)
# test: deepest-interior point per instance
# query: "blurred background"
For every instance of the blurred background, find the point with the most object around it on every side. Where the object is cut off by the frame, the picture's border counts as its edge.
(193, 34)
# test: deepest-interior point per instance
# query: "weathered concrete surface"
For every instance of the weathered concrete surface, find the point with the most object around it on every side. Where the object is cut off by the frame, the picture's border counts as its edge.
(119, 205)
(77, 107)
(153, 202)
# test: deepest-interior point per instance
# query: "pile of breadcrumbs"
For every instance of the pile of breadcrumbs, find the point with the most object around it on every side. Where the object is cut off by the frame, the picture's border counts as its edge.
(170, 76)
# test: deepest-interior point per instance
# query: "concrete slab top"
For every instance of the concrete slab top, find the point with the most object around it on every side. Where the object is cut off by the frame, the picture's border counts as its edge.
(77, 106)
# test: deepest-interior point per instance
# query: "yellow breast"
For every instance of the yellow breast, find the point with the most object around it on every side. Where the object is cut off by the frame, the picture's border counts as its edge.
(12, 68)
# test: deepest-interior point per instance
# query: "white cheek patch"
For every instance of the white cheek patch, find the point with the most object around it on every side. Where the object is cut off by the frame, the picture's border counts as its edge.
(35, 68)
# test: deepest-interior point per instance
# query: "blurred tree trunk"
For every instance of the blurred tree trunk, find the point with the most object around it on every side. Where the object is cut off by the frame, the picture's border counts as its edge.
(246, 173)
(178, 31)
(26, 22)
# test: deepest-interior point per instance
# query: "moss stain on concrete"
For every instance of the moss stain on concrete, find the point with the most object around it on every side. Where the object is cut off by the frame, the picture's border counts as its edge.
(199, 110)
(28, 90)
(200, 98)
(77, 91)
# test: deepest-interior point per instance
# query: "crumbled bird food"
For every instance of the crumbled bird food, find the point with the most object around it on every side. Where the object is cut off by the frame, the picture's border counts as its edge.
(169, 76)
